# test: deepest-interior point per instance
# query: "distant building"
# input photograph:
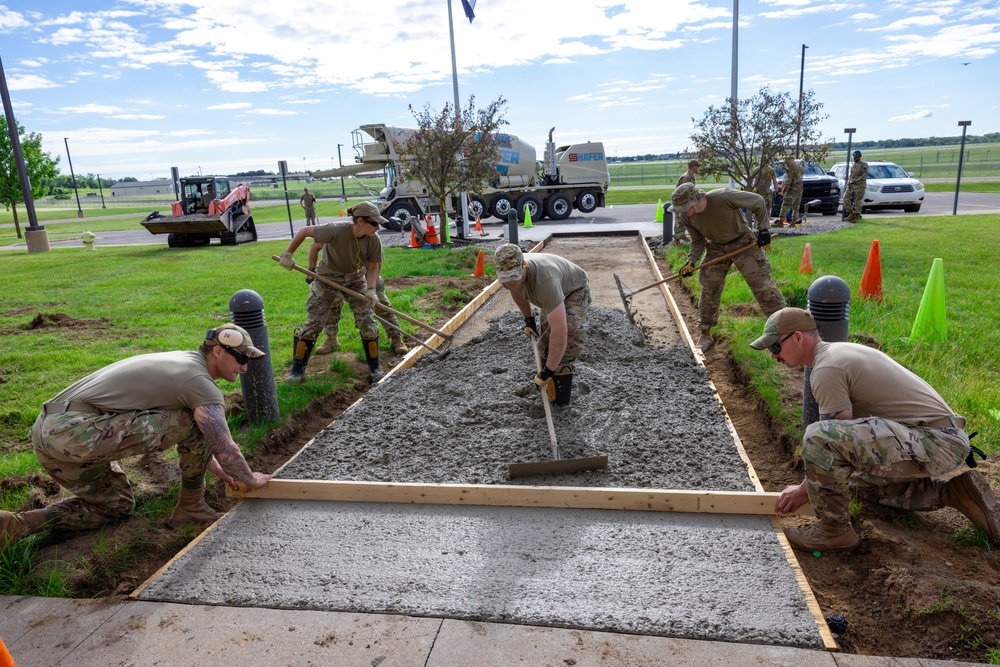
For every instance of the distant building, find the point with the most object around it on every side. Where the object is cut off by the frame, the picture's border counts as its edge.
(161, 186)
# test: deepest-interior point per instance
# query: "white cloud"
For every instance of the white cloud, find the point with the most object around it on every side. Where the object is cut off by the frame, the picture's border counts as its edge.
(12, 20)
(29, 82)
(136, 116)
(916, 115)
(90, 108)
(34, 62)
(230, 105)
(910, 22)
(273, 112)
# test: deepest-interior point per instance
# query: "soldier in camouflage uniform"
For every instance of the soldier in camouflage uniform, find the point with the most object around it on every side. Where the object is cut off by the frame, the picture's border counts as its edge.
(308, 202)
(882, 429)
(680, 234)
(854, 192)
(138, 405)
(332, 326)
(352, 257)
(561, 290)
(765, 183)
(791, 192)
(715, 221)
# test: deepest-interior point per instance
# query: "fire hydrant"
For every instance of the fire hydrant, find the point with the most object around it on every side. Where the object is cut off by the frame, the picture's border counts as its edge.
(88, 239)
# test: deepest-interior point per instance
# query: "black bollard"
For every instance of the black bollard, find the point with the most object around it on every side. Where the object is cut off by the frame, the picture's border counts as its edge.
(512, 227)
(829, 302)
(668, 225)
(260, 397)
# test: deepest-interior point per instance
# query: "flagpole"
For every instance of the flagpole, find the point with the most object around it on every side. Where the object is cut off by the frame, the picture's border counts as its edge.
(454, 66)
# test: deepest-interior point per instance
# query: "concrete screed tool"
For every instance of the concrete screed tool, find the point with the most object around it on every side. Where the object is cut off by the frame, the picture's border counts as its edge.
(628, 295)
(556, 466)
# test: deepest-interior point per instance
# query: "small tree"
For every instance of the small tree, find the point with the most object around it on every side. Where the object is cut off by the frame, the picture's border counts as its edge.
(39, 165)
(453, 152)
(761, 130)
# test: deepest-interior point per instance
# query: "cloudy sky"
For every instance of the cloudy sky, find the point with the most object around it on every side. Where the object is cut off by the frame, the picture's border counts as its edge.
(139, 86)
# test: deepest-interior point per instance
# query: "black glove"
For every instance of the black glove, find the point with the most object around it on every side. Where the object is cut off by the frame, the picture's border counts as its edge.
(530, 328)
(687, 270)
(764, 238)
(310, 279)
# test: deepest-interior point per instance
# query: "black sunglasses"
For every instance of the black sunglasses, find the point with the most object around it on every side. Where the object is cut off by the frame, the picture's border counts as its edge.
(775, 348)
(241, 357)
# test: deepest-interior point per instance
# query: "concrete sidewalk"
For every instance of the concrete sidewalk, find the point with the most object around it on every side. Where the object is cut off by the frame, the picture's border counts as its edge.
(51, 632)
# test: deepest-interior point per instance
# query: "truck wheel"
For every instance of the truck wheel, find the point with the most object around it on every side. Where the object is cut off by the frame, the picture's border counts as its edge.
(477, 208)
(558, 206)
(586, 201)
(531, 203)
(174, 241)
(403, 211)
(501, 206)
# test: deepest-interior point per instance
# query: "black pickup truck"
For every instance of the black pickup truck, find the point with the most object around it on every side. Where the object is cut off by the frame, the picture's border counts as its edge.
(816, 184)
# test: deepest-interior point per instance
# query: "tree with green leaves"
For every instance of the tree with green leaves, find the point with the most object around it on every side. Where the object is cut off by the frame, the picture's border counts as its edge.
(39, 165)
(453, 152)
(735, 142)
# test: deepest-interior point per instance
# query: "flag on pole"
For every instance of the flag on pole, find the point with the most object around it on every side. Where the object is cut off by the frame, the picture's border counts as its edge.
(469, 6)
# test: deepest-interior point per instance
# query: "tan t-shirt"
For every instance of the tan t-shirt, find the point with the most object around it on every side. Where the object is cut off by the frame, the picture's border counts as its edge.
(346, 257)
(548, 280)
(722, 220)
(847, 375)
(171, 380)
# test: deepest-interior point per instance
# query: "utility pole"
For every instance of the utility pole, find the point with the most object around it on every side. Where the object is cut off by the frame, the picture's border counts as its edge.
(340, 163)
(35, 235)
(964, 124)
(101, 188)
(802, 76)
(734, 87)
(79, 209)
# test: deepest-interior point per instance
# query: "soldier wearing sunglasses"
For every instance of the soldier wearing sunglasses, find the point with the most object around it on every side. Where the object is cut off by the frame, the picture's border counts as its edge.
(142, 404)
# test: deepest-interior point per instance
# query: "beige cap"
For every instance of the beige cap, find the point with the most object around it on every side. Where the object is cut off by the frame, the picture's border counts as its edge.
(235, 338)
(367, 210)
(785, 321)
(509, 261)
(684, 196)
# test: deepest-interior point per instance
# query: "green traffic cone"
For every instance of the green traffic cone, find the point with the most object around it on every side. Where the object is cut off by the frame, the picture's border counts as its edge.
(659, 210)
(527, 217)
(447, 234)
(930, 326)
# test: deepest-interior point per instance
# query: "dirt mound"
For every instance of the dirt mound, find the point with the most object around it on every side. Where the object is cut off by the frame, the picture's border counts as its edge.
(64, 321)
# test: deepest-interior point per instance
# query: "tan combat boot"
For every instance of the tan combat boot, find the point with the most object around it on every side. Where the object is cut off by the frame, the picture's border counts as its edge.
(329, 345)
(191, 508)
(706, 341)
(397, 344)
(824, 536)
(15, 526)
(970, 494)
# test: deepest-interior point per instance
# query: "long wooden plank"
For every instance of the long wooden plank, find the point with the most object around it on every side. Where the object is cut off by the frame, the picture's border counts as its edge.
(573, 497)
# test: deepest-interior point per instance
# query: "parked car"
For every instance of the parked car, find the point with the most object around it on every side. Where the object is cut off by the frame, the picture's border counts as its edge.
(816, 184)
(888, 187)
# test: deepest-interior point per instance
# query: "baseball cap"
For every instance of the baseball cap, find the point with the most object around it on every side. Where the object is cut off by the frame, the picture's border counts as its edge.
(684, 196)
(509, 261)
(235, 338)
(368, 210)
(785, 321)
(694, 163)
(857, 153)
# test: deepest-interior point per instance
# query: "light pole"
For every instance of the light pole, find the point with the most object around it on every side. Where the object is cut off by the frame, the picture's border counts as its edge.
(964, 124)
(802, 76)
(733, 85)
(847, 165)
(36, 237)
(343, 192)
(79, 209)
(101, 188)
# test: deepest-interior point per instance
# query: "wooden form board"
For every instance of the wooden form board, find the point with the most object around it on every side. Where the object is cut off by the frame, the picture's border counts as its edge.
(509, 495)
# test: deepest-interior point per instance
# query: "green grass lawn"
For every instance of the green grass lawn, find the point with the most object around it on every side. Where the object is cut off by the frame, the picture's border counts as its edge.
(964, 369)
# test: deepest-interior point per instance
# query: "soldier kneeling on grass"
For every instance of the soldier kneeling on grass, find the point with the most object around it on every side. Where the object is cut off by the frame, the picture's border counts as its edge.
(141, 404)
(882, 430)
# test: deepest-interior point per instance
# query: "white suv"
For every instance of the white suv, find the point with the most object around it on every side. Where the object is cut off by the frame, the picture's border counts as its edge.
(888, 187)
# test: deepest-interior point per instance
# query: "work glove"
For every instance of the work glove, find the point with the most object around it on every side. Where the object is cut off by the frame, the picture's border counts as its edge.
(372, 295)
(287, 260)
(764, 239)
(310, 279)
(544, 379)
(687, 270)
(530, 328)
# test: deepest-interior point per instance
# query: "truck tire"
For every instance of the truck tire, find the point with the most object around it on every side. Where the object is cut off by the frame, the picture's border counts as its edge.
(175, 240)
(402, 210)
(586, 201)
(558, 206)
(530, 203)
(501, 206)
(477, 207)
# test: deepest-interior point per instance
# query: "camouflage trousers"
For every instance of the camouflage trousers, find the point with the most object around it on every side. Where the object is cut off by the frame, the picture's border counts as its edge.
(324, 299)
(576, 304)
(310, 216)
(81, 452)
(756, 271)
(333, 319)
(790, 203)
(890, 463)
(854, 196)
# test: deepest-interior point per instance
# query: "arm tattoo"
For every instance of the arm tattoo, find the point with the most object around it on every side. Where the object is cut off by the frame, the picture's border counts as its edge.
(211, 421)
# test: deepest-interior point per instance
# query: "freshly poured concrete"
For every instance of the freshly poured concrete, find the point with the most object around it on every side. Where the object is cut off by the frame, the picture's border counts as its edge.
(463, 419)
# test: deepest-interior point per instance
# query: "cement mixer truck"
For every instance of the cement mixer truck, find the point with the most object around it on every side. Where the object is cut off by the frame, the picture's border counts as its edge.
(573, 176)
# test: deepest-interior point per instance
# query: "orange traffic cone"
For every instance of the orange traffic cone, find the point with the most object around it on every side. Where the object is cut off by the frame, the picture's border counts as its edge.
(341, 213)
(871, 280)
(432, 235)
(6, 660)
(479, 228)
(807, 260)
(413, 237)
(479, 272)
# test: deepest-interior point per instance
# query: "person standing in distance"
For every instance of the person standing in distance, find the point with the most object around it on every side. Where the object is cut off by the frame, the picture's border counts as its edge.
(791, 192)
(854, 192)
(308, 202)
